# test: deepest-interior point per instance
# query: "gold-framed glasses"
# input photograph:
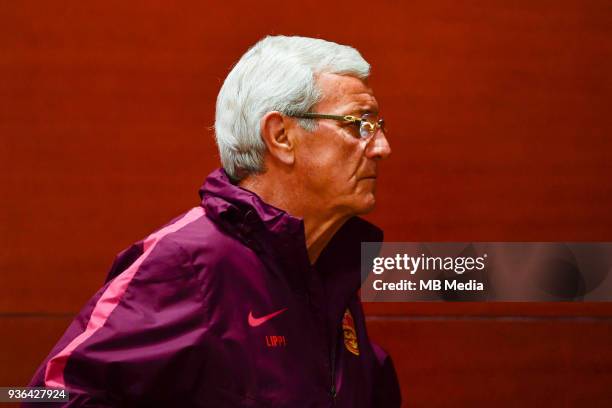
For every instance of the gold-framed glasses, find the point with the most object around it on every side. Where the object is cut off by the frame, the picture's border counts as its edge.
(368, 124)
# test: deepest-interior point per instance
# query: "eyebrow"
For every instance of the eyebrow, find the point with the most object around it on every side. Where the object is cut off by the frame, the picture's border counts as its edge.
(360, 108)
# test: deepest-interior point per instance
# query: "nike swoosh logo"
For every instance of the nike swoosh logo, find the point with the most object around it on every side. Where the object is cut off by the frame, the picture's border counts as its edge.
(256, 321)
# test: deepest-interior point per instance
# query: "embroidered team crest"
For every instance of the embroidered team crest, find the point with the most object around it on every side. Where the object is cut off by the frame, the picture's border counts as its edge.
(350, 336)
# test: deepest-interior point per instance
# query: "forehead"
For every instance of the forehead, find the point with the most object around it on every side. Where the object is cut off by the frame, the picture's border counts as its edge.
(343, 94)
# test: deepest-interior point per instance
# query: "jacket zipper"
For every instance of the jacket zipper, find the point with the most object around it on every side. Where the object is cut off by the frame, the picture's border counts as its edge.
(332, 391)
(332, 364)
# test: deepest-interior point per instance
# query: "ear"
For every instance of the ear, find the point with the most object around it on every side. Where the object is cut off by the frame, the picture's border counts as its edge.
(275, 133)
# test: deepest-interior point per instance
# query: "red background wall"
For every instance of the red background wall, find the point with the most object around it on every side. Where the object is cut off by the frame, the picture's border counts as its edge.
(500, 126)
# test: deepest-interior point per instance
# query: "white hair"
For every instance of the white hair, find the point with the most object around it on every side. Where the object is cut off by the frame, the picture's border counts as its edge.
(276, 74)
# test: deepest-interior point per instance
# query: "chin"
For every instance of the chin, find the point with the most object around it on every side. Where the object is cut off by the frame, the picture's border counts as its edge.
(365, 205)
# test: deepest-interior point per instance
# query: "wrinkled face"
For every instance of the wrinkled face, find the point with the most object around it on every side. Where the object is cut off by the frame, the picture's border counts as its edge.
(338, 168)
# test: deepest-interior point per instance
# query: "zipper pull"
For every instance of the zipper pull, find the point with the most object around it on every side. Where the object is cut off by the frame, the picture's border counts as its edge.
(333, 394)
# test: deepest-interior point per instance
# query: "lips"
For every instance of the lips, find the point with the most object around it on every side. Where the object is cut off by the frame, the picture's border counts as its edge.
(368, 172)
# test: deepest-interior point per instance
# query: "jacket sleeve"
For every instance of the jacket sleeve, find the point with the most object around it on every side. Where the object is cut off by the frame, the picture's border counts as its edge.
(126, 345)
(386, 392)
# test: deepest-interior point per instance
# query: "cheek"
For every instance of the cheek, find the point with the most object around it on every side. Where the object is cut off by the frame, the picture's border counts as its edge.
(314, 157)
(330, 155)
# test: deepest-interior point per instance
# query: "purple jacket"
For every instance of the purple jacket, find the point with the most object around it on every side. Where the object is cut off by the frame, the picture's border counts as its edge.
(220, 308)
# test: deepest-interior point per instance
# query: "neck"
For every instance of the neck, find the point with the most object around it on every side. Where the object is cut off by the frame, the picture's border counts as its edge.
(320, 225)
(319, 233)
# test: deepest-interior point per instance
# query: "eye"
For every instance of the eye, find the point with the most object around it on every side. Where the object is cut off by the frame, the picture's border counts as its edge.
(355, 129)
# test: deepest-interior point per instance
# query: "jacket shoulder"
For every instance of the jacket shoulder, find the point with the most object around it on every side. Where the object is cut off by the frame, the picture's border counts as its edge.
(191, 248)
(209, 248)
(203, 235)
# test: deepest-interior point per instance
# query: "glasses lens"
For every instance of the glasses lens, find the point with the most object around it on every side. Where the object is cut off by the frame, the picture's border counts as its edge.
(369, 125)
(382, 125)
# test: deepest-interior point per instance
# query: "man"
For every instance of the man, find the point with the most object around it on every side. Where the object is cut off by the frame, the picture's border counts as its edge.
(250, 299)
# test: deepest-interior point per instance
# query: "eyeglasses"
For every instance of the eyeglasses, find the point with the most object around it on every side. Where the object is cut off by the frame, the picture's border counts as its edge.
(368, 124)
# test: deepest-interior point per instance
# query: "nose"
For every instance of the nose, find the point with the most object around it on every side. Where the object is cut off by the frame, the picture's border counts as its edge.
(378, 147)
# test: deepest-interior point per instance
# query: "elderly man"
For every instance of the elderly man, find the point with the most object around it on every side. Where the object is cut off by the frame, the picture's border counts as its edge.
(250, 299)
